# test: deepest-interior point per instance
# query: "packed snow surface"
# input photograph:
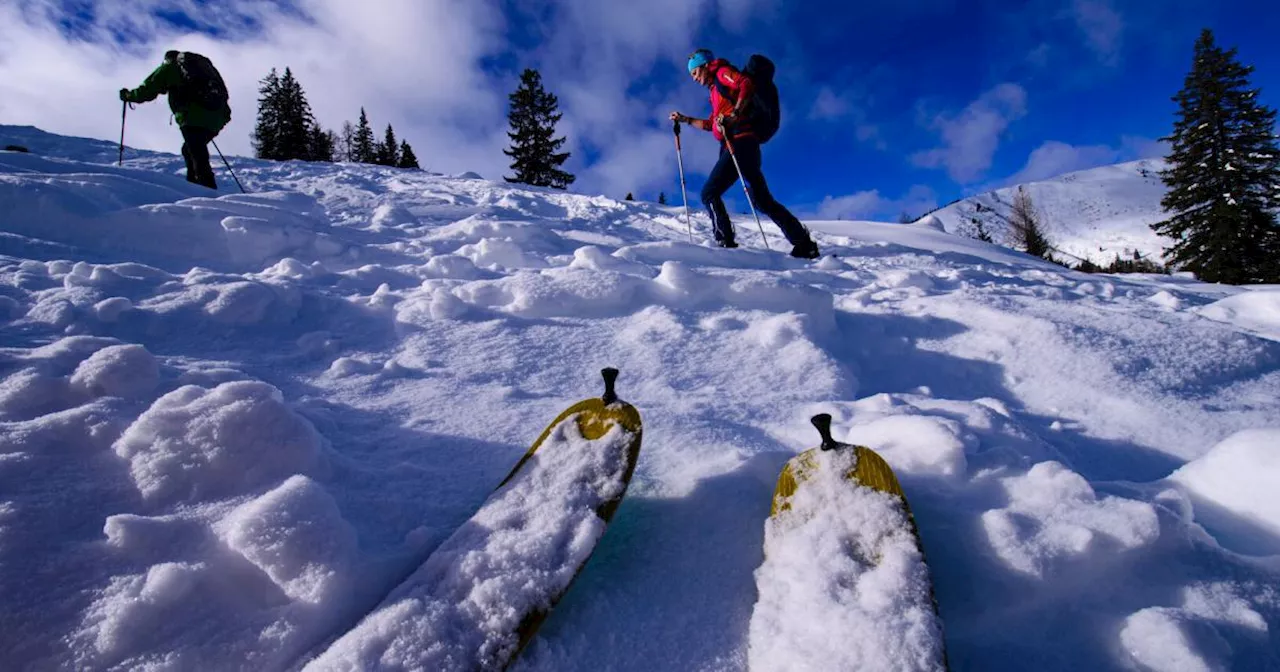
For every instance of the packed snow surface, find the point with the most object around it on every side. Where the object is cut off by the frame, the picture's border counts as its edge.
(231, 425)
(462, 609)
(843, 585)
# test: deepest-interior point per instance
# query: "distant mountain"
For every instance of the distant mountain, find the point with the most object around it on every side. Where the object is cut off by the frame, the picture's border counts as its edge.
(1091, 214)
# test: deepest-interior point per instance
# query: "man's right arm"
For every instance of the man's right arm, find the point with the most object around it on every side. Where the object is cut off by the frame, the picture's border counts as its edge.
(161, 80)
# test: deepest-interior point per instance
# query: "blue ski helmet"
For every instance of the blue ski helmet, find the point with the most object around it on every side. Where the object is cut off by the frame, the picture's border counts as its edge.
(699, 57)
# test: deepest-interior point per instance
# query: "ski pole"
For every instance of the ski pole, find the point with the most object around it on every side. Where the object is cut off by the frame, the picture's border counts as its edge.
(688, 221)
(228, 165)
(124, 110)
(746, 191)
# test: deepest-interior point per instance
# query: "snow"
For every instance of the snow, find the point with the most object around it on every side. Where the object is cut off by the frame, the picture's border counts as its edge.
(1091, 214)
(462, 608)
(843, 585)
(231, 425)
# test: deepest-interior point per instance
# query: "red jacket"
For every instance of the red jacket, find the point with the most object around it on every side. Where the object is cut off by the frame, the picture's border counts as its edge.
(740, 86)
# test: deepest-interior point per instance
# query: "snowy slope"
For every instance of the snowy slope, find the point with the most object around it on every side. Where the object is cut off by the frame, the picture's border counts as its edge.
(230, 425)
(1091, 214)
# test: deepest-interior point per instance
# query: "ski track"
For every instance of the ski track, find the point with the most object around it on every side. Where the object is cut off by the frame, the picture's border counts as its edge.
(230, 424)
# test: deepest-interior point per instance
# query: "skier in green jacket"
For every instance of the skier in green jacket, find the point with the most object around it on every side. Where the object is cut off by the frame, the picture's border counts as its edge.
(198, 98)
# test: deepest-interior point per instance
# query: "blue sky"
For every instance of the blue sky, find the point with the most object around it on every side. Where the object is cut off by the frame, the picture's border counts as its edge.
(888, 106)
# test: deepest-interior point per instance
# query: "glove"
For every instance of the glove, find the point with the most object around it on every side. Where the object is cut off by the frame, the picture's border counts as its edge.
(124, 95)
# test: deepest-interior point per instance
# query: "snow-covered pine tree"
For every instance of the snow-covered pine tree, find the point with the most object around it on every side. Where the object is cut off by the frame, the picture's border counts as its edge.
(1224, 174)
(407, 158)
(362, 145)
(388, 151)
(533, 117)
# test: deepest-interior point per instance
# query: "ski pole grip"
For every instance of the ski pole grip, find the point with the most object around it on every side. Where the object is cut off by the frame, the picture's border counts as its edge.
(675, 127)
(610, 377)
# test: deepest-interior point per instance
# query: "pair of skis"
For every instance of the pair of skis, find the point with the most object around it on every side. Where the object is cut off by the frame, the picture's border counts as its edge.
(480, 597)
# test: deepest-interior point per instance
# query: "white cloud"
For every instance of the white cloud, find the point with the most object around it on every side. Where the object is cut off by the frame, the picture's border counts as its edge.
(417, 64)
(1103, 28)
(871, 204)
(413, 63)
(970, 138)
(1054, 158)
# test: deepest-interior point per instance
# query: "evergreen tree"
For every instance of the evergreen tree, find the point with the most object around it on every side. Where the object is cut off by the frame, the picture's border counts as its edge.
(407, 157)
(266, 133)
(629, 197)
(662, 198)
(362, 145)
(533, 117)
(1224, 174)
(296, 123)
(1026, 228)
(321, 144)
(387, 152)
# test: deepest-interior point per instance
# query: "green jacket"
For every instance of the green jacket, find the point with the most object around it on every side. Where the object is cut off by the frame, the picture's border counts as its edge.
(168, 78)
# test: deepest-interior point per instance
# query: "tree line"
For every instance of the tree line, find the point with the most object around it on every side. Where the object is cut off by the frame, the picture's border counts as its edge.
(286, 130)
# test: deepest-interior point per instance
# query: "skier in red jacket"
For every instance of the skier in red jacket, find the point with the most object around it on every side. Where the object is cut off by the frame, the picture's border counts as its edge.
(730, 115)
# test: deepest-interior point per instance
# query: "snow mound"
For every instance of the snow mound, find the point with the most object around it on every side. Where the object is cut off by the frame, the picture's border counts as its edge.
(1237, 479)
(1054, 517)
(137, 214)
(195, 444)
(296, 535)
(1191, 637)
(1257, 310)
(843, 585)
(119, 371)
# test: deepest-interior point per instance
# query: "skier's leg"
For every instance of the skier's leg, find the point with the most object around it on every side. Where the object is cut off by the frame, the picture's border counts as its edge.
(186, 157)
(749, 159)
(199, 170)
(722, 176)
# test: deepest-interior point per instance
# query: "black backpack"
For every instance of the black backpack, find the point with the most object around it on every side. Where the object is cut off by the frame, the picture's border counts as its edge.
(201, 82)
(764, 113)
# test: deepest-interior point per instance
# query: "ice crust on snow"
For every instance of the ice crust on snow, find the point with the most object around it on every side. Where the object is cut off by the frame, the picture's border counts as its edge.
(843, 585)
(461, 609)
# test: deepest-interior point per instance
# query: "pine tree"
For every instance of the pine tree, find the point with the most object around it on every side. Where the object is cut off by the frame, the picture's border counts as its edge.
(629, 197)
(387, 152)
(407, 157)
(266, 133)
(662, 198)
(533, 117)
(1026, 228)
(362, 145)
(296, 123)
(321, 144)
(1224, 174)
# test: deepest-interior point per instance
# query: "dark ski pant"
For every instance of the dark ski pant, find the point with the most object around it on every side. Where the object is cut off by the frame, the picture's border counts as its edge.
(724, 175)
(195, 151)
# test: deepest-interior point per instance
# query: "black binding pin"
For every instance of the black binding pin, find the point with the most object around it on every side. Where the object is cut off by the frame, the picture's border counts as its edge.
(610, 377)
(822, 422)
